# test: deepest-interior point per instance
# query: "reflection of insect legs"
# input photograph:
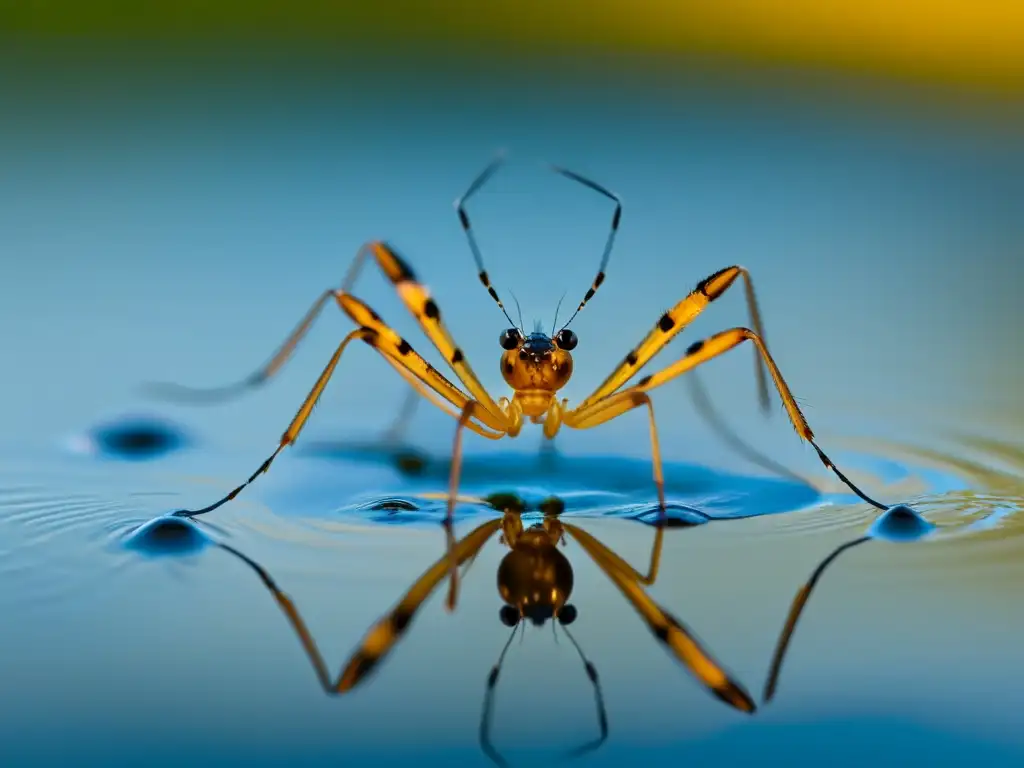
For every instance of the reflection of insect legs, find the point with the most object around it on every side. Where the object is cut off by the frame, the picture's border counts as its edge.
(795, 610)
(535, 581)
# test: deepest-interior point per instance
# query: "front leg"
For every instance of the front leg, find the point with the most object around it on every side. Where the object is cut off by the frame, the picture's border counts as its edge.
(675, 320)
(427, 313)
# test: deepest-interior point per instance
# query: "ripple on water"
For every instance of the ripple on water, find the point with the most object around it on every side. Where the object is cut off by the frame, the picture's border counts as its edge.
(47, 541)
(67, 529)
(964, 496)
(54, 514)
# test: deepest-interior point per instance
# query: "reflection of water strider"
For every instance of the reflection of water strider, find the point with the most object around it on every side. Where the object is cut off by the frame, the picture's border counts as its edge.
(535, 582)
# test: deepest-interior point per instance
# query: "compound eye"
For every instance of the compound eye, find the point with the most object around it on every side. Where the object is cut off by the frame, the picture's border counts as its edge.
(509, 615)
(510, 339)
(566, 339)
(568, 614)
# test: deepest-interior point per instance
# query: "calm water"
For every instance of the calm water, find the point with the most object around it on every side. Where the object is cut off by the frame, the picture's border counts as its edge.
(166, 222)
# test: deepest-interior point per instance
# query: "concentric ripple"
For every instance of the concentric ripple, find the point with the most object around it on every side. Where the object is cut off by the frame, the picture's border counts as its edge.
(46, 533)
(67, 529)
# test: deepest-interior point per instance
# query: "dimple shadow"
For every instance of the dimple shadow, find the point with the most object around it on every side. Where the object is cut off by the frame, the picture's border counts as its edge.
(138, 438)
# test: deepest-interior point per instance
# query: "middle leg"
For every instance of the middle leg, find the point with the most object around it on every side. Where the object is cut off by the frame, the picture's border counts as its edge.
(556, 417)
(514, 416)
(697, 354)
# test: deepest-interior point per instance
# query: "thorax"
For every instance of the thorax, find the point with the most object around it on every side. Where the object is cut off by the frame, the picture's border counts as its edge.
(534, 402)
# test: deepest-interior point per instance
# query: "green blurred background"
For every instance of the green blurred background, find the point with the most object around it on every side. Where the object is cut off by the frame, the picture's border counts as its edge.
(975, 46)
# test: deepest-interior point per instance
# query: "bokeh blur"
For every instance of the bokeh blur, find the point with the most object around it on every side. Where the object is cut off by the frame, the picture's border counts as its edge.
(181, 180)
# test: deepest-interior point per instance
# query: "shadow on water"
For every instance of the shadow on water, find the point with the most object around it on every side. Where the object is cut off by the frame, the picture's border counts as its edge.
(535, 579)
(133, 438)
(537, 513)
(694, 494)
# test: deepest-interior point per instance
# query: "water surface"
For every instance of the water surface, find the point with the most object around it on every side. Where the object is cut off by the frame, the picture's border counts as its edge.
(171, 226)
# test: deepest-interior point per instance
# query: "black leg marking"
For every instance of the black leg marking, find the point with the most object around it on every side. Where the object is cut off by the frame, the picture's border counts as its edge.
(478, 182)
(609, 243)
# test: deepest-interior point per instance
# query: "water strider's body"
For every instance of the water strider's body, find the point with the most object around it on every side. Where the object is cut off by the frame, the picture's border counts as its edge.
(535, 366)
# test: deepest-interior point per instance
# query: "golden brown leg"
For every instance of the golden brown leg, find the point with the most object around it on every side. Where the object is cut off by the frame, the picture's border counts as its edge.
(368, 335)
(430, 393)
(702, 402)
(675, 320)
(418, 301)
(401, 351)
(380, 639)
(294, 428)
(614, 407)
(699, 353)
